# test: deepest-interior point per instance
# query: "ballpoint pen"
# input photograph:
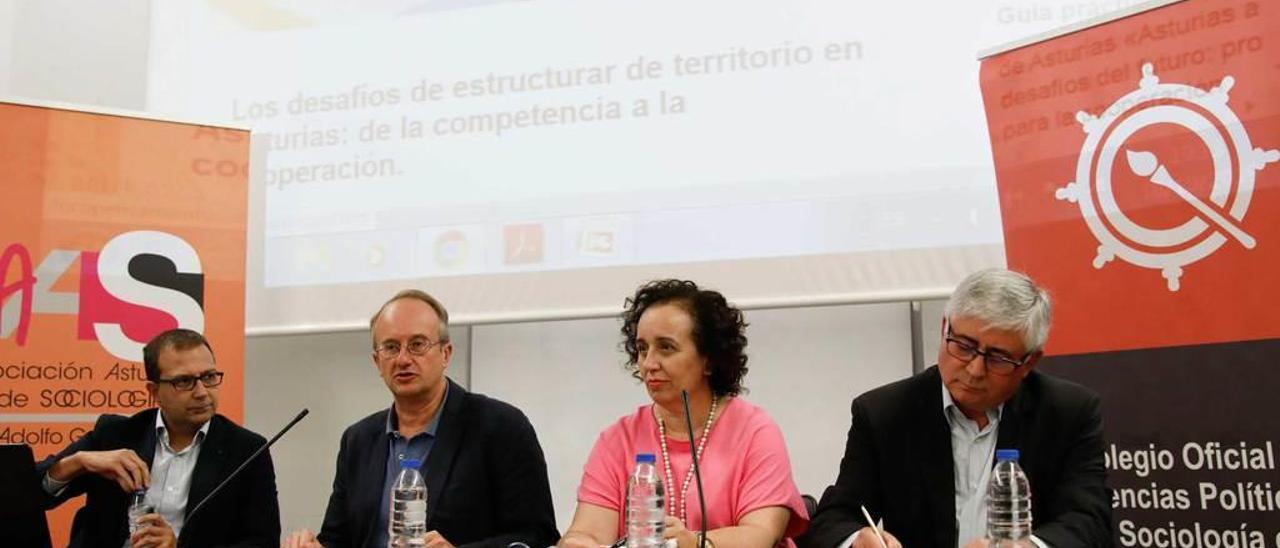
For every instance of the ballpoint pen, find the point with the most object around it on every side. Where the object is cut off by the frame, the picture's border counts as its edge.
(874, 526)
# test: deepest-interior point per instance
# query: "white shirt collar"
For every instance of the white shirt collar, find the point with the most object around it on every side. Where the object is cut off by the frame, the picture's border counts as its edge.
(162, 431)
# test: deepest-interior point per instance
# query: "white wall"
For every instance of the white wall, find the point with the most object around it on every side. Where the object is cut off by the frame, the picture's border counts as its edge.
(6, 46)
(931, 330)
(806, 366)
(567, 377)
(91, 53)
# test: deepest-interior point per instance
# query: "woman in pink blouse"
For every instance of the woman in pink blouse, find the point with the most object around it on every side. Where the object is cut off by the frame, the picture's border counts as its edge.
(679, 337)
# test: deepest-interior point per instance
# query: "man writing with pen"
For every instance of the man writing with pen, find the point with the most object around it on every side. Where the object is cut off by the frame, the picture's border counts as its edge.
(920, 451)
(178, 453)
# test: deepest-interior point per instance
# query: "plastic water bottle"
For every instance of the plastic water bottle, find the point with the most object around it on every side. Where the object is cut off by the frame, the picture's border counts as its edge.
(645, 516)
(408, 521)
(1008, 503)
(138, 507)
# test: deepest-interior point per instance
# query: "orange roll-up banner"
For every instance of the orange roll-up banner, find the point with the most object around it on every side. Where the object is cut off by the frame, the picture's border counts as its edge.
(112, 229)
(1138, 165)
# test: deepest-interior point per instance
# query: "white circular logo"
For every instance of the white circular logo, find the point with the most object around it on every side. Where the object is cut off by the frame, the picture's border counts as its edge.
(1219, 220)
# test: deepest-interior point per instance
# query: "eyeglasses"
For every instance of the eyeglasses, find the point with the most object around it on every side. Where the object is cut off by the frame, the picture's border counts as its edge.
(995, 360)
(416, 347)
(184, 383)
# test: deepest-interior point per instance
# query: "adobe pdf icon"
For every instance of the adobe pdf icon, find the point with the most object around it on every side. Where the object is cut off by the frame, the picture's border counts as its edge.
(1138, 164)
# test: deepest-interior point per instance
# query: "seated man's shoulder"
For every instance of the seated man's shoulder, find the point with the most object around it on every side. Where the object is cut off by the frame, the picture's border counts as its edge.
(1059, 392)
(900, 395)
(238, 433)
(485, 407)
(502, 424)
(375, 422)
(111, 425)
(112, 421)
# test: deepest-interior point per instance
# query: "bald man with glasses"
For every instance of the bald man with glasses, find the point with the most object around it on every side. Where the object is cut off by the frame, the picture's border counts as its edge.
(178, 453)
(920, 451)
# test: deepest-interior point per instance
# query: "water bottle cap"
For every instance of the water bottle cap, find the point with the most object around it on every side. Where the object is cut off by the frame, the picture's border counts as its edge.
(645, 457)
(1006, 454)
(411, 463)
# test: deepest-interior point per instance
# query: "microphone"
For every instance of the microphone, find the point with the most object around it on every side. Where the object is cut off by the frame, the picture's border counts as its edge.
(246, 462)
(697, 472)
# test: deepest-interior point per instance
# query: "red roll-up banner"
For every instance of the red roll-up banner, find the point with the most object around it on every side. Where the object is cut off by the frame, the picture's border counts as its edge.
(1138, 165)
(112, 229)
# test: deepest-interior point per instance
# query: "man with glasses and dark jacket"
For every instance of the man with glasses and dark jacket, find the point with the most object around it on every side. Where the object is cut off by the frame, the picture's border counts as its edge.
(485, 473)
(177, 453)
(920, 451)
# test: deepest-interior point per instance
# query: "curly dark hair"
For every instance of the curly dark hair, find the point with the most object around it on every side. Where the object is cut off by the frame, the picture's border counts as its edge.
(719, 331)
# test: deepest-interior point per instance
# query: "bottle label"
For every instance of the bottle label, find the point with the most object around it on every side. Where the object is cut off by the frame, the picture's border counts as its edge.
(415, 510)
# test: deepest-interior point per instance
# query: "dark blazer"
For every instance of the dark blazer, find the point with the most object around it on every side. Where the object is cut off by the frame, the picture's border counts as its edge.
(245, 513)
(486, 478)
(898, 462)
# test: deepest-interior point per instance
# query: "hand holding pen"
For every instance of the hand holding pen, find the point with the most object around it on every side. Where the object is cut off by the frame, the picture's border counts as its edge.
(874, 535)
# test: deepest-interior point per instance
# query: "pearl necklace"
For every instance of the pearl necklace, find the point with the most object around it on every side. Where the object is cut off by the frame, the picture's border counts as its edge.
(688, 477)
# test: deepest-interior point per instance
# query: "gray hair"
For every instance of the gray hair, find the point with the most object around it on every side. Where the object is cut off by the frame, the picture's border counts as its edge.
(418, 295)
(1006, 300)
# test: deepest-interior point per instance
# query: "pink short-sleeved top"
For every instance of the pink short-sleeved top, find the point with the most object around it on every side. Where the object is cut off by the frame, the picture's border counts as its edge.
(745, 467)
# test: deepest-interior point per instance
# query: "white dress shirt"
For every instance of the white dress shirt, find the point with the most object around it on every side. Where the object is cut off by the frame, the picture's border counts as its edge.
(170, 476)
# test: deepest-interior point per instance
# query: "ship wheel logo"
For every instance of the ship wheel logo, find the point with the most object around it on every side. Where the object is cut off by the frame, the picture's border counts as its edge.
(1220, 219)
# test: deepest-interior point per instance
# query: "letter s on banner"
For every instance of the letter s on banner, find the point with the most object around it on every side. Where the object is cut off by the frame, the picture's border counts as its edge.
(113, 268)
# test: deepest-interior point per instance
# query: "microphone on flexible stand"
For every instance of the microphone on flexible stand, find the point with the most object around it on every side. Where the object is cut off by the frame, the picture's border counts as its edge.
(697, 473)
(242, 466)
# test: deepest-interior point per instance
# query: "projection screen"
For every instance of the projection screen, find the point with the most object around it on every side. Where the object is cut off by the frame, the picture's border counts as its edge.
(539, 159)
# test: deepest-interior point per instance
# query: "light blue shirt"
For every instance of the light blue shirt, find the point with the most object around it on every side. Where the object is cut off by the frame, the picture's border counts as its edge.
(973, 453)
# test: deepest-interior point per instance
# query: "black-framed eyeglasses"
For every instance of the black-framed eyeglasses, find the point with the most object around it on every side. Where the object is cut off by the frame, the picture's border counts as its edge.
(995, 360)
(184, 383)
(417, 347)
